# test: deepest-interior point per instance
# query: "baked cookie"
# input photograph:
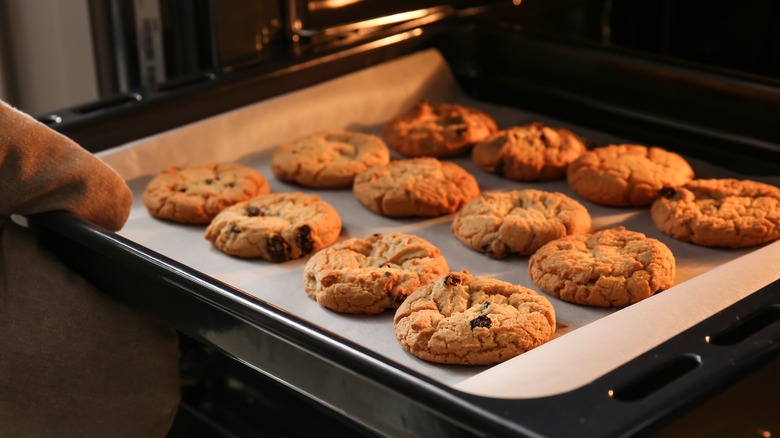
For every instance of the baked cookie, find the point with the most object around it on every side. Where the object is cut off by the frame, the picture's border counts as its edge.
(520, 221)
(328, 159)
(372, 274)
(610, 268)
(415, 187)
(442, 130)
(533, 152)
(276, 227)
(195, 194)
(460, 319)
(720, 212)
(626, 175)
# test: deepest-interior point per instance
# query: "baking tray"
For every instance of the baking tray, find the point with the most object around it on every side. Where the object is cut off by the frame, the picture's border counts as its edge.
(258, 313)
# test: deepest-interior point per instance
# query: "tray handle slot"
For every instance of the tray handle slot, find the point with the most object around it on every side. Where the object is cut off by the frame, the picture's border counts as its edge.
(746, 327)
(656, 378)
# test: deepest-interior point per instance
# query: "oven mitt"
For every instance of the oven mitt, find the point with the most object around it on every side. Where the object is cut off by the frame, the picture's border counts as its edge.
(73, 361)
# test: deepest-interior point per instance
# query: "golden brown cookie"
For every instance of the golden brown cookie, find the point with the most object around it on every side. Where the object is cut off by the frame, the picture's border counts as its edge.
(460, 319)
(532, 152)
(610, 268)
(276, 227)
(372, 274)
(328, 159)
(423, 187)
(720, 212)
(626, 175)
(195, 194)
(519, 221)
(441, 130)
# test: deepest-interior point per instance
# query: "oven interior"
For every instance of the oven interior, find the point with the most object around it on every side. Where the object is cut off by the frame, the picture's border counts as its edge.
(701, 78)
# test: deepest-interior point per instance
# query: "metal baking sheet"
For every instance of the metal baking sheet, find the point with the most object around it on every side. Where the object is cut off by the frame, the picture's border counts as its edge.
(597, 340)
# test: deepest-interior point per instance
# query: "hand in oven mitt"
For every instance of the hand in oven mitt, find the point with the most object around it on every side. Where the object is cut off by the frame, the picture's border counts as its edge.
(73, 361)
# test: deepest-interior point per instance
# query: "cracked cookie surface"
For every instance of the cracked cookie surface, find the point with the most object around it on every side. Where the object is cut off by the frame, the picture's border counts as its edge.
(609, 268)
(518, 222)
(277, 227)
(720, 212)
(532, 152)
(328, 159)
(196, 194)
(626, 175)
(461, 319)
(416, 187)
(441, 130)
(372, 274)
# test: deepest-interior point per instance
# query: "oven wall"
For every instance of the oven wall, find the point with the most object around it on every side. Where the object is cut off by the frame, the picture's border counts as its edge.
(45, 54)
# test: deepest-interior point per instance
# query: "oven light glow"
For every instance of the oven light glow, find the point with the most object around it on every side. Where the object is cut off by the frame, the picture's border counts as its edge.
(611, 393)
(330, 4)
(517, 2)
(707, 339)
(764, 433)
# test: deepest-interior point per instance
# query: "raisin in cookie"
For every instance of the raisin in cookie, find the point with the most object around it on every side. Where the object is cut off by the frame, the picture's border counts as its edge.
(328, 159)
(626, 175)
(528, 153)
(460, 319)
(195, 194)
(423, 187)
(610, 268)
(520, 221)
(276, 227)
(372, 274)
(441, 130)
(720, 212)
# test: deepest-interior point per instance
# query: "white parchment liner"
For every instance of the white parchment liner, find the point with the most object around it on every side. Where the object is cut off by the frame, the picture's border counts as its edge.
(589, 343)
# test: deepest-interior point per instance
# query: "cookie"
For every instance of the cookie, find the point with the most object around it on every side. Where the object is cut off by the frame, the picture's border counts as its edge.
(195, 194)
(372, 274)
(610, 268)
(276, 227)
(518, 222)
(626, 175)
(441, 130)
(328, 159)
(460, 319)
(720, 212)
(421, 187)
(533, 152)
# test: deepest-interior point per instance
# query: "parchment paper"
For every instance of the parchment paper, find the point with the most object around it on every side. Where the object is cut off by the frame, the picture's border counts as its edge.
(589, 341)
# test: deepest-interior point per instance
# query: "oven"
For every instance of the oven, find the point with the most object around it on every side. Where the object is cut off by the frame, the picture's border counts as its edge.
(699, 79)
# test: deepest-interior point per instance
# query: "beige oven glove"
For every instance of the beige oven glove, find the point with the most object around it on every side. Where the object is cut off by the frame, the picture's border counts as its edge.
(73, 361)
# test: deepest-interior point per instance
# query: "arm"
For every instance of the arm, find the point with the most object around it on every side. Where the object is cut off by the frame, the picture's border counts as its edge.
(73, 362)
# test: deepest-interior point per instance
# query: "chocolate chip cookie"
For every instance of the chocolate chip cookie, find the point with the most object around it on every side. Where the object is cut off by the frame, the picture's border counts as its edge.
(720, 212)
(441, 130)
(461, 319)
(626, 175)
(372, 274)
(421, 187)
(519, 221)
(195, 194)
(610, 268)
(328, 159)
(532, 152)
(277, 227)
